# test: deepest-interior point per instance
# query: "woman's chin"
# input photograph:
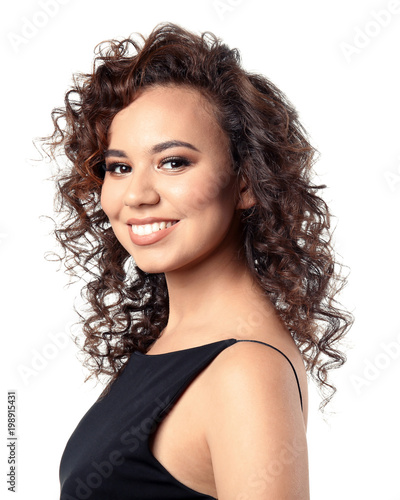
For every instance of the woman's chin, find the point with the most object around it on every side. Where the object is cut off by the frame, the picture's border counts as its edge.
(163, 266)
(154, 268)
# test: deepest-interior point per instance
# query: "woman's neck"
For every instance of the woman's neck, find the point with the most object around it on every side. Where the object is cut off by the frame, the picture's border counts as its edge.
(207, 293)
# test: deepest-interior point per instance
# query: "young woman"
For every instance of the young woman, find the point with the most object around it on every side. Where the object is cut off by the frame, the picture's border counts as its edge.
(189, 205)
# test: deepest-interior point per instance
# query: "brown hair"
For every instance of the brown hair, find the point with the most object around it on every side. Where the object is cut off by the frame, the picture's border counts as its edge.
(286, 238)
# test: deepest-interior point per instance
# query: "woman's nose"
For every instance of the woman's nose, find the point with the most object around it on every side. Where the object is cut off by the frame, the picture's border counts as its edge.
(141, 190)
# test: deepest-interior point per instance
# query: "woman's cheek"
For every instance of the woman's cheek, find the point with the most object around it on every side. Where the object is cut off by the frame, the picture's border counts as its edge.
(109, 201)
(104, 199)
(210, 192)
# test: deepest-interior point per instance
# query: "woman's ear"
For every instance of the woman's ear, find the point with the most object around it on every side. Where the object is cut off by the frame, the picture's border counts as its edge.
(246, 196)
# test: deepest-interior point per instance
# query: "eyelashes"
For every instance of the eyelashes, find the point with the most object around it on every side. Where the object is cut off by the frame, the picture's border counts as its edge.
(171, 163)
(176, 162)
(113, 167)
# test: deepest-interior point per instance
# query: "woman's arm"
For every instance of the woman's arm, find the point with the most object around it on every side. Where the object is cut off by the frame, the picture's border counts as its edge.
(255, 428)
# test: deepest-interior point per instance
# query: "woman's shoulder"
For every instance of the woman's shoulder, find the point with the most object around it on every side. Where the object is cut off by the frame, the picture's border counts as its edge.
(254, 415)
(267, 361)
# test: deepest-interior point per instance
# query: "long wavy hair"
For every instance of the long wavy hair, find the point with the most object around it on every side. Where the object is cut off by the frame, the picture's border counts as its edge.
(286, 237)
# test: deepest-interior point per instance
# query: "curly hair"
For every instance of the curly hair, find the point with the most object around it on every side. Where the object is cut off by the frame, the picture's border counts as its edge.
(286, 237)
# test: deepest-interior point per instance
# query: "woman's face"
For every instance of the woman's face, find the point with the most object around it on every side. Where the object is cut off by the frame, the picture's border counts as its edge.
(169, 189)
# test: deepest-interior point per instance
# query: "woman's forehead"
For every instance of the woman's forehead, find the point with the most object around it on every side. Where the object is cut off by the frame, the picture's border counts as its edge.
(171, 112)
(182, 97)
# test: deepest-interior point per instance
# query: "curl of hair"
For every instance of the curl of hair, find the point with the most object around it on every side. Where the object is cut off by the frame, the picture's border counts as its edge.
(286, 238)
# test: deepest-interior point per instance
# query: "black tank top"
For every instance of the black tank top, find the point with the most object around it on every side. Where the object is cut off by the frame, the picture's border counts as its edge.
(108, 455)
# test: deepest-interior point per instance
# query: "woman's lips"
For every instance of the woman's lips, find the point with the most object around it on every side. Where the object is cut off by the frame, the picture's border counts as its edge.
(153, 237)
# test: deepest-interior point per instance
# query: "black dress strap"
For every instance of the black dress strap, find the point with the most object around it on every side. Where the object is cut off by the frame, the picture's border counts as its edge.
(294, 371)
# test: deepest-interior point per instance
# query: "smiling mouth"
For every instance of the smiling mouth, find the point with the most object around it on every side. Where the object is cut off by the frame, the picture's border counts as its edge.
(152, 228)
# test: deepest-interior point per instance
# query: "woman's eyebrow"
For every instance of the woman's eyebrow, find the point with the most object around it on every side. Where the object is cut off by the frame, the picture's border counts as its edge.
(158, 148)
(116, 153)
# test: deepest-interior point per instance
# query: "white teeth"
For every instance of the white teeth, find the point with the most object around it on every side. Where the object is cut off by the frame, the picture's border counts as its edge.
(151, 228)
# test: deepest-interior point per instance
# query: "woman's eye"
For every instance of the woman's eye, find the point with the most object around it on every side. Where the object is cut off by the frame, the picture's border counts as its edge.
(118, 168)
(175, 163)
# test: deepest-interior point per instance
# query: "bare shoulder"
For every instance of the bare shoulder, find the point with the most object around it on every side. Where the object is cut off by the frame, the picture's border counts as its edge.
(254, 427)
(254, 369)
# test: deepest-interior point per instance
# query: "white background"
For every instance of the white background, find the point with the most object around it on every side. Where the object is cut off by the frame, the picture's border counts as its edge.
(340, 67)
